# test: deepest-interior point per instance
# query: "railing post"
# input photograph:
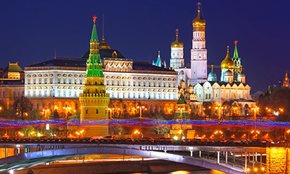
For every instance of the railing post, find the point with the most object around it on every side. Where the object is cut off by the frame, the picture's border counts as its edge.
(226, 157)
(256, 157)
(218, 157)
(199, 154)
(191, 153)
(246, 158)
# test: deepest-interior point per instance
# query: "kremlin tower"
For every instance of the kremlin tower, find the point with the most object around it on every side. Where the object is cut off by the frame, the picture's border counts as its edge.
(94, 100)
(177, 60)
(198, 51)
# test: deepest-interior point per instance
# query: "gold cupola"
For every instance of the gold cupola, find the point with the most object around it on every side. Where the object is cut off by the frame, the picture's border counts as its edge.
(103, 44)
(198, 22)
(227, 62)
(176, 43)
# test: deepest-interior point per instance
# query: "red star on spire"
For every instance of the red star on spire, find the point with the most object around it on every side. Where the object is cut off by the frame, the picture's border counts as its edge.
(94, 19)
(236, 42)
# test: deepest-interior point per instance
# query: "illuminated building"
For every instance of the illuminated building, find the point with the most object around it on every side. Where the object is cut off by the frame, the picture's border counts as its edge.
(129, 84)
(198, 51)
(286, 81)
(200, 87)
(11, 85)
(94, 100)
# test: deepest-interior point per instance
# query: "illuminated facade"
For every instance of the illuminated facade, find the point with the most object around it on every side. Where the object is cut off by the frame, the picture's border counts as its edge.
(129, 84)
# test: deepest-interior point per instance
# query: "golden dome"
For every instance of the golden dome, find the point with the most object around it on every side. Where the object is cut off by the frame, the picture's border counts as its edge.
(176, 43)
(227, 63)
(103, 44)
(198, 22)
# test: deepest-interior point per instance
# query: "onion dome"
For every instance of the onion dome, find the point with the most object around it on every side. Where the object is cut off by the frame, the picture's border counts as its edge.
(212, 77)
(176, 43)
(198, 22)
(103, 44)
(227, 63)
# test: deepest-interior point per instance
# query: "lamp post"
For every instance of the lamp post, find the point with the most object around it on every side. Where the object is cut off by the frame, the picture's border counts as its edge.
(181, 132)
(110, 113)
(219, 108)
(255, 109)
(67, 109)
(140, 111)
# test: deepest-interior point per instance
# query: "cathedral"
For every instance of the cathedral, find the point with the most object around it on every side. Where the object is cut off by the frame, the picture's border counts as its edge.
(199, 85)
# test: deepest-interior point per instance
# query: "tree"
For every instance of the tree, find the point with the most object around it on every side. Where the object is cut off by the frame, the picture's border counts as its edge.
(23, 107)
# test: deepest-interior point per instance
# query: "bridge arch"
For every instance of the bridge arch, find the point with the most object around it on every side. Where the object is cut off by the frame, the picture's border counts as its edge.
(33, 158)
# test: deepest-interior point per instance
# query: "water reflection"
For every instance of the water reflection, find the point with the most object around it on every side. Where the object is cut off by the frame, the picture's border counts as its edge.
(197, 172)
(278, 160)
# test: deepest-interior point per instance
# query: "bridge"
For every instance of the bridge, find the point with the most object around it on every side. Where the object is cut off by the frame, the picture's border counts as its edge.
(234, 158)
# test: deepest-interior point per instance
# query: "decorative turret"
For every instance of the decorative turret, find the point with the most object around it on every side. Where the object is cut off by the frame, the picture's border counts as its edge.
(212, 77)
(158, 62)
(94, 100)
(103, 44)
(177, 60)
(286, 81)
(176, 43)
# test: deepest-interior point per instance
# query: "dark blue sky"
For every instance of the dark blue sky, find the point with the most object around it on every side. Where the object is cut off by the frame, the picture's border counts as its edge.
(32, 30)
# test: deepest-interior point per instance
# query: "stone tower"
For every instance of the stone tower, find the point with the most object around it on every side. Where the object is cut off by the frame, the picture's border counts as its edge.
(198, 51)
(94, 100)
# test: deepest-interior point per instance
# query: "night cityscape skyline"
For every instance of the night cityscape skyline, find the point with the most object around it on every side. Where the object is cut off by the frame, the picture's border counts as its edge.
(62, 28)
(144, 87)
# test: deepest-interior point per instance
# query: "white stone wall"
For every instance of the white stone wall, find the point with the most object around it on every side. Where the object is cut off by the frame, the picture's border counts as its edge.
(198, 58)
(177, 58)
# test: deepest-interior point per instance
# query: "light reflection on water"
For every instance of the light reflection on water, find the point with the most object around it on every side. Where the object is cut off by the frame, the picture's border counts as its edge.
(197, 172)
(190, 172)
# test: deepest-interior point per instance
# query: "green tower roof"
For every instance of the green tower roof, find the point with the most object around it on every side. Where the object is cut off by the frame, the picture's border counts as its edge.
(94, 63)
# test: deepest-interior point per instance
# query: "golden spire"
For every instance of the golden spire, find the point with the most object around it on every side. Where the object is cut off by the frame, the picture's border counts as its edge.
(198, 8)
(176, 35)
(176, 43)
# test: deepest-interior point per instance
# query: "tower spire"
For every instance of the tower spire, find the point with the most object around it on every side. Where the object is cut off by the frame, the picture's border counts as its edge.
(198, 8)
(176, 35)
(94, 36)
(236, 54)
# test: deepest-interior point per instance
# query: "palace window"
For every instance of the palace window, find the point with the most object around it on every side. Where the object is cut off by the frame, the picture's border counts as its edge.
(97, 111)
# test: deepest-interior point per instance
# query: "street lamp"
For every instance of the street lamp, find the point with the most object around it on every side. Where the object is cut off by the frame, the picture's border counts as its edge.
(255, 109)
(219, 108)
(181, 109)
(140, 110)
(67, 109)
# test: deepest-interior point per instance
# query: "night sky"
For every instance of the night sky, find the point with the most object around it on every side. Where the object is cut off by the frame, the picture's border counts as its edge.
(32, 31)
